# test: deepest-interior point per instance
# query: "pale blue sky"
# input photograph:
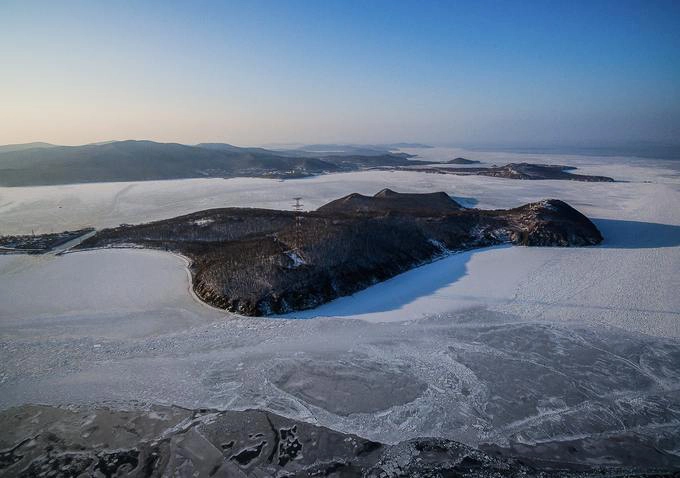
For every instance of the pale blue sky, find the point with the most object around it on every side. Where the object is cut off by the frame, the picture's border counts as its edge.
(256, 72)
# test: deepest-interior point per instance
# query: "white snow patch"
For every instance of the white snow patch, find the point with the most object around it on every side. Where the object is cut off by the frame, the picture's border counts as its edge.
(203, 222)
(439, 245)
(296, 258)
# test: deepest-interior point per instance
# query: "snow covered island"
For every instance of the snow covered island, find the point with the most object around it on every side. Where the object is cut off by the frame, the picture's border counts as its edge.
(261, 261)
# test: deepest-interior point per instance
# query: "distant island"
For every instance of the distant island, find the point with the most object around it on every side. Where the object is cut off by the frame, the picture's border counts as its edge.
(462, 161)
(261, 262)
(43, 164)
(171, 441)
(527, 171)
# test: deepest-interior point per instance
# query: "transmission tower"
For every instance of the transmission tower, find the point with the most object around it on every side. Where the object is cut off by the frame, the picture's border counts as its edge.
(297, 207)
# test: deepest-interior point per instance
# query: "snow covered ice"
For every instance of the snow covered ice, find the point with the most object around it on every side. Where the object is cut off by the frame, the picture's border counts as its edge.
(529, 345)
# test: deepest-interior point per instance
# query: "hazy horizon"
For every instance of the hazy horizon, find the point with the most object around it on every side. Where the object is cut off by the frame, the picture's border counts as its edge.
(257, 73)
(641, 149)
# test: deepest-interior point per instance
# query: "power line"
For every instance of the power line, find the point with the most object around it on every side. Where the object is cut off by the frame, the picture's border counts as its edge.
(297, 207)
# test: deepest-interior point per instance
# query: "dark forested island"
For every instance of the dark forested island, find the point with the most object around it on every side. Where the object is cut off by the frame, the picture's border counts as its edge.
(261, 262)
(462, 161)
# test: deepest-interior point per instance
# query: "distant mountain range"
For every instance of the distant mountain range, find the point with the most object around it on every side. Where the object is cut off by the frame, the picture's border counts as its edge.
(45, 164)
(20, 147)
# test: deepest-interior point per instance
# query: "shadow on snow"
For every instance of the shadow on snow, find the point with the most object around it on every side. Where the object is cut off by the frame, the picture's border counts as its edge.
(620, 234)
(398, 291)
(426, 280)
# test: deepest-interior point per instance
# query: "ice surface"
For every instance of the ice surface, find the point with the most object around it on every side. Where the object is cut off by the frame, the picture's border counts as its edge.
(117, 293)
(503, 344)
(477, 376)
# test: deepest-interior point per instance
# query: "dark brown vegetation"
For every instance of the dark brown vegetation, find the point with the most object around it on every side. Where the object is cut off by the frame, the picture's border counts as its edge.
(255, 261)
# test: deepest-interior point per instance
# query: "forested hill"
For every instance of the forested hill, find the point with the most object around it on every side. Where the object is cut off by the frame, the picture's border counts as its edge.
(25, 165)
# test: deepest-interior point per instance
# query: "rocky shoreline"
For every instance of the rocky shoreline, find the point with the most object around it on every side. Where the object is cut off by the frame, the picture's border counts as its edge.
(173, 441)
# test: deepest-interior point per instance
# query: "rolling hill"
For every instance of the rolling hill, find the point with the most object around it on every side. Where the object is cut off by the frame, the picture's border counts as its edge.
(41, 164)
(143, 160)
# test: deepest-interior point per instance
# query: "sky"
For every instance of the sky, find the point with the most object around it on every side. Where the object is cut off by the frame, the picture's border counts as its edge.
(261, 72)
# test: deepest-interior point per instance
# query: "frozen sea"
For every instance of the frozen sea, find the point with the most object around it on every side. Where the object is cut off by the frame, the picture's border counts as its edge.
(501, 345)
